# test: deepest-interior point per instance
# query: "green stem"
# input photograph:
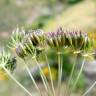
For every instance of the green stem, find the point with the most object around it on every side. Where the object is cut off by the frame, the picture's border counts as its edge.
(18, 83)
(72, 72)
(41, 73)
(32, 78)
(89, 89)
(45, 82)
(59, 73)
(50, 73)
(79, 74)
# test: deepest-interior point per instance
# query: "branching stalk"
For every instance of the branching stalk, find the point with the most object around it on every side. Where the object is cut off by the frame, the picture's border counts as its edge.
(50, 73)
(72, 72)
(18, 83)
(83, 63)
(89, 89)
(45, 82)
(32, 78)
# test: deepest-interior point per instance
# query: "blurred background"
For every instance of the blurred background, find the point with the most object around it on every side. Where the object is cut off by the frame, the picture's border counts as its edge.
(48, 15)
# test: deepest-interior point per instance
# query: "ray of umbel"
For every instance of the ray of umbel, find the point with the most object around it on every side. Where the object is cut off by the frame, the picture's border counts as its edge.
(28, 70)
(86, 92)
(50, 73)
(18, 83)
(71, 75)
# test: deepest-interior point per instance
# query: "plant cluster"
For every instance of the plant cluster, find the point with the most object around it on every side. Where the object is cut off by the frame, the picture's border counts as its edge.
(31, 43)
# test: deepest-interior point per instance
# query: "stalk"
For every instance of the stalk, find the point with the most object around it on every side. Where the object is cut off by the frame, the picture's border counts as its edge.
(45, 82)
(16, 81)
(50, 73)
(32, 78)
(41, 73)
(89, 89)
(59, 73)
(72, 72)
(79, 74)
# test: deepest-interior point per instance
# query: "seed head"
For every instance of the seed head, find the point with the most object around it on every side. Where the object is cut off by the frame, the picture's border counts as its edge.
(25, 49)
(79, 39)
(17, 36)
(7, 61)
(56, 39)
(36, 37)
(76, 39)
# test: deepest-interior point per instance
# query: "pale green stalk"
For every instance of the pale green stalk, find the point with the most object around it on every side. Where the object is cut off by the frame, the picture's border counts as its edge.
(50, 73)
(72, 72)
(81, 69)
(59, 73)
(45, 82)
(41, 73)
(16, 81)
(83, 63)
(32, 78)
(89, 89)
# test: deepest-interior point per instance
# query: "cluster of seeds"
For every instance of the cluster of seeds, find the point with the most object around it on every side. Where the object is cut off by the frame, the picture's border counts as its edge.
(75, 39)
(7, 61)
(33, 42)
(56, 39)
(36, 36)
(16, 37)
